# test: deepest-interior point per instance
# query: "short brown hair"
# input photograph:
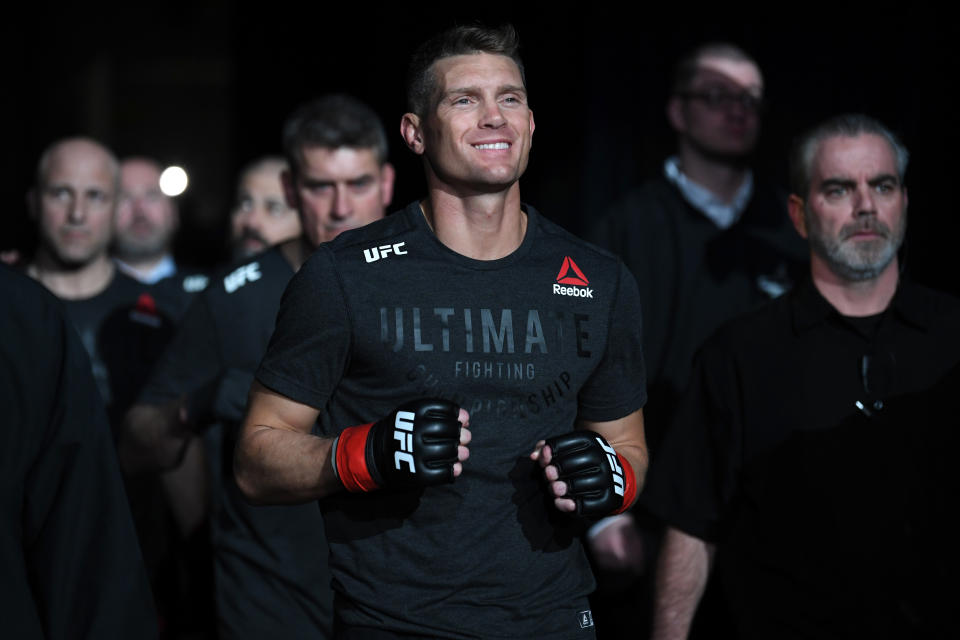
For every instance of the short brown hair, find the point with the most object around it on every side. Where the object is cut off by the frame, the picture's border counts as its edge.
(456, 41)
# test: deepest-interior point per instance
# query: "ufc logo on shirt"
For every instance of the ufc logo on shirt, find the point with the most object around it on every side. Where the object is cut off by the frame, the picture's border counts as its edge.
(243, 275)
(618, 483)
(403, 433)
(374, 254)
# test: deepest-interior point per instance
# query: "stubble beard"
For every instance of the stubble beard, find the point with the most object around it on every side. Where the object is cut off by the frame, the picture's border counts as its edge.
(147, 247)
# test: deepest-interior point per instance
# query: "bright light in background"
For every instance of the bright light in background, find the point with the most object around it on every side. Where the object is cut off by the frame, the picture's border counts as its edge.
(173, 181)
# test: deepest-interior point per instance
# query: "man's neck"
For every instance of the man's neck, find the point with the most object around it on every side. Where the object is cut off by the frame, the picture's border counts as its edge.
(485, 226)
(855, 298)
(72, 284)
(722, 178)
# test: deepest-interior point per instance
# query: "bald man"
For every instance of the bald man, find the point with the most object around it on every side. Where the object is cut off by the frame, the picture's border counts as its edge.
(123, 324)
(74, 203)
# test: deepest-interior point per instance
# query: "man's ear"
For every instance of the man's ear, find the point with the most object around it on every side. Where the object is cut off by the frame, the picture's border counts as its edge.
(387, 176)
(411, 128)
(675, 114)
(289, 189)
(795, 209)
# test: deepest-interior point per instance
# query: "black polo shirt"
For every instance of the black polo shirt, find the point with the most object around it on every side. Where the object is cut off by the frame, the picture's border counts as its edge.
(756, 461)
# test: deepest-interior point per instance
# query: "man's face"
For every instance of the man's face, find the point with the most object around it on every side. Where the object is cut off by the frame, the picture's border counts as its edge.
(146, 218)
(262, 217)
(855, 213)
(338, 189)
(718, 114)
(478, 137)
(75, 203)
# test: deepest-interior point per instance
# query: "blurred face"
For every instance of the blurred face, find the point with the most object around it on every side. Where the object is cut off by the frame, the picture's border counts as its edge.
(75, 203)
(719, 112)
(338, 189)
(146, 218)
(478, 137)
(262, 217)
(855, 213)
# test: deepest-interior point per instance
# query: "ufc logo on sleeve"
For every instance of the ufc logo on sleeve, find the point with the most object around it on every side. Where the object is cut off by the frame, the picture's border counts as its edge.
(374, 254)
(403, 433)
(617, 470)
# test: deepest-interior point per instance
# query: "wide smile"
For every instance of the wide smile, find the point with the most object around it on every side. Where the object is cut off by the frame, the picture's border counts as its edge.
(492, 146)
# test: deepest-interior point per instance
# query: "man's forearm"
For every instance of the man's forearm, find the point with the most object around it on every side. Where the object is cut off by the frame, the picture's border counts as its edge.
(278, 466)
(277, 459)
(682, 572)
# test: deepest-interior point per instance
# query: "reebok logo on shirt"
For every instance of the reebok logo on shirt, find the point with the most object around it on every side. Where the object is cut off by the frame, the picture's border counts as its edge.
(571, 274)
(145, 311)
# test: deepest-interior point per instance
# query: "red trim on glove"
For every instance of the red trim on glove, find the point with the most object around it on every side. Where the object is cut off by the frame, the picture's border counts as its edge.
(629, 484)
(352, 459)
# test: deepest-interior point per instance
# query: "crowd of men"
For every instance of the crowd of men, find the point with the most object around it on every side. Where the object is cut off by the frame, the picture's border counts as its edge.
(433, 424)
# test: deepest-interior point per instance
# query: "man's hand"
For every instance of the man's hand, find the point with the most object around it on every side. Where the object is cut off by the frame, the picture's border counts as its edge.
(584, 474)
(616, 545)
(421, 443)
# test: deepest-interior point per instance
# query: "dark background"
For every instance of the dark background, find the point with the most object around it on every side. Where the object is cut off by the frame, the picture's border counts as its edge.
(207, 85)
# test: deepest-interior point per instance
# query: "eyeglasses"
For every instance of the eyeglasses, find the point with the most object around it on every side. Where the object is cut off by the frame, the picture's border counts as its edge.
(718, 99)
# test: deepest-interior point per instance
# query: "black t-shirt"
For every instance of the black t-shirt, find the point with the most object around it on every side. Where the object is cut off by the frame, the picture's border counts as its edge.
(527, 344)
(70, 566)
(271, 571)
(124, 329)
(808, 515)
(175, 293)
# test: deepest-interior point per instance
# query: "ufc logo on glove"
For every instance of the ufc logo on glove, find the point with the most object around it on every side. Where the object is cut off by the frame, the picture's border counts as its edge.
(403, 433)
(616, 470)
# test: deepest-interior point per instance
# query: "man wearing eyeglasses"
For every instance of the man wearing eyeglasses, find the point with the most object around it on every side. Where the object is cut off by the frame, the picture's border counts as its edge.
(705, 240)
(796, 465)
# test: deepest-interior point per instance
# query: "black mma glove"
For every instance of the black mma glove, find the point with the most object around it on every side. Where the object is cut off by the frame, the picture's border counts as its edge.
(415, 446)
(599, 480)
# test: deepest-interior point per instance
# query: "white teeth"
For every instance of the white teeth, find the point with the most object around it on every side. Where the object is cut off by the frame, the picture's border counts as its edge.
(495, 145)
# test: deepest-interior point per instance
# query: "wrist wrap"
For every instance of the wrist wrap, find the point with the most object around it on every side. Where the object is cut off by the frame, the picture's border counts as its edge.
(630, 484)
(350, 459)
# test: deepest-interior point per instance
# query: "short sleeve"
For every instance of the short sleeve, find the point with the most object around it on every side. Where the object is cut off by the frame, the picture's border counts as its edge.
(309, 349)
(617, 386)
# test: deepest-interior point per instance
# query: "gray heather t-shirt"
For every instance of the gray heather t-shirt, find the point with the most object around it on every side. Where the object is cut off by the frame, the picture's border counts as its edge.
(527, 344)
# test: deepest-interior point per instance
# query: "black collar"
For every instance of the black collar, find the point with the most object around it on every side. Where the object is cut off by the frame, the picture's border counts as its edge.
(909, 304)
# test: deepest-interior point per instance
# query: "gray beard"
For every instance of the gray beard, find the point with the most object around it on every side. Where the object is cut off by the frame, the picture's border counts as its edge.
(860, 261)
